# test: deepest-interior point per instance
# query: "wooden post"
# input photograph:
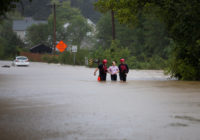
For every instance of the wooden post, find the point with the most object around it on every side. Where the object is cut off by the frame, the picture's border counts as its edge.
(54, 31)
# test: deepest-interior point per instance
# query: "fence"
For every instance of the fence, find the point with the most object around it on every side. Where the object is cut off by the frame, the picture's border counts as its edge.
(34, 56)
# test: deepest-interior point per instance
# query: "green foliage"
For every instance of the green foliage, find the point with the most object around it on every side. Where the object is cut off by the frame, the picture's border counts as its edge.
(7, 5)
(2, 44)
(114, 53)
(181, 19)
(41, 9)
(76, 25)
(80, 56)
(147, 41)
(50, 58)
(125, 10)
(155, 62)
(9, 41)
(184, 29)
(77, 30)
(106, 5)
(15, 15)
(184, 62)
(38, 9)
(87, 9)
(140, 61)
(71, 27)
(37, 34)
(67, 57)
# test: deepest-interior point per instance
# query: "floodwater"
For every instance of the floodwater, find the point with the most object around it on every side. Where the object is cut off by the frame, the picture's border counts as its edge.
(61, 102)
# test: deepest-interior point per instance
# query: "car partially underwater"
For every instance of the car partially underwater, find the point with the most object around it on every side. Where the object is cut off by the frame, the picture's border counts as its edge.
(21, 61)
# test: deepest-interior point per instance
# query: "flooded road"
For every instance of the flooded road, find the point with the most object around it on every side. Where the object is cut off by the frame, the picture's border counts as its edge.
(55, 102)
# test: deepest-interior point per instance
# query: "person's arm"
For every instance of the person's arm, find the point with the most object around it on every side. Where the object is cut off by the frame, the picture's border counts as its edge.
(117, 70)
(95, 71)
(109, 70)
(127, 68)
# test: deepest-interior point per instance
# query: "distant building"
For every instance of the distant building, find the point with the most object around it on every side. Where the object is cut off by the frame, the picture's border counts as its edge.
(20, 26)
(87, 42)
(40, 48)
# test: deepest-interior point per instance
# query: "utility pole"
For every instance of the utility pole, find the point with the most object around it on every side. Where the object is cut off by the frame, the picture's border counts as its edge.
(54, 28)
(53, 6)
(113, 24)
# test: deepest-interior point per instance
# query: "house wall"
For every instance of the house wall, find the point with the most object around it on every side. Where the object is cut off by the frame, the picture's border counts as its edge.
(21, 34)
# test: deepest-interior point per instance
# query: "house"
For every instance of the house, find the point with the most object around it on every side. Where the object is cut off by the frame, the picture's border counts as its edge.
(20, 26)
(41, 48)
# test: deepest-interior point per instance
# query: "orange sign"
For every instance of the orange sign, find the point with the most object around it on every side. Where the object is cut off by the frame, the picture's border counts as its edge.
(61, 46)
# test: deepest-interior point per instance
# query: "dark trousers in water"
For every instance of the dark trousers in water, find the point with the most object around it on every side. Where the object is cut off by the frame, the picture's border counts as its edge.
(122, 76)
(103, 77)
(114, 77)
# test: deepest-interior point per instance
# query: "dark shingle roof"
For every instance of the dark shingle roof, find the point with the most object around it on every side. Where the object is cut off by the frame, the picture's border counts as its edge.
(22, 25)
(41, 48)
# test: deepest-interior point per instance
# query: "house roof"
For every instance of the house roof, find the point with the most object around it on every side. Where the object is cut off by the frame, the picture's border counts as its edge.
(22, 25)
(41, 48)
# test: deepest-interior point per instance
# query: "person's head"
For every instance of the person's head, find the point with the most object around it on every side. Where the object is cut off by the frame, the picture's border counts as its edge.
(104, 61)
(122, 61)
(113, 63)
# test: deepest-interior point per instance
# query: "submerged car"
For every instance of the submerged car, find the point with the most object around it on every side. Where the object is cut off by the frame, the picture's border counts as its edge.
(21, 61)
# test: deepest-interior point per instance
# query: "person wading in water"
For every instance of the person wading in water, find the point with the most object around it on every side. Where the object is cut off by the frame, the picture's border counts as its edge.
(102, 70)
(113, 70)
(123, 70)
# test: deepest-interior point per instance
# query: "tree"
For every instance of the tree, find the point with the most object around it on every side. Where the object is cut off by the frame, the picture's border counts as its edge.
(38, 9)
(144, 40)
(114, 53)
(181, 19)
(87, 9)
(77, 30)
(9, 41)
(104, 31)
(7, 5)
(71, 25)
(37, 34)
(106, 6)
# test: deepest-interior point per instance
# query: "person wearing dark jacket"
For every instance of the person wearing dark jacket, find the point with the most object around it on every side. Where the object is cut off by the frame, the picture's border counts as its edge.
(102, 70)
(123, 70)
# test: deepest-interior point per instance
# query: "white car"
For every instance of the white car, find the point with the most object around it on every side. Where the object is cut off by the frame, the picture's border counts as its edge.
(21, 61)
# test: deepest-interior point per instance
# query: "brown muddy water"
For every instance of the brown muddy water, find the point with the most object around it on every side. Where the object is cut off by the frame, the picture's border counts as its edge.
(57, 102)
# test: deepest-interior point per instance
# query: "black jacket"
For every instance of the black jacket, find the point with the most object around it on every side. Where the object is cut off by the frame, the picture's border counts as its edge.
(123, 68)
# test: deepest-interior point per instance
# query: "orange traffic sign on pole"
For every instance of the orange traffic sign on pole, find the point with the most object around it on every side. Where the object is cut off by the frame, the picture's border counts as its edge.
(61, 46)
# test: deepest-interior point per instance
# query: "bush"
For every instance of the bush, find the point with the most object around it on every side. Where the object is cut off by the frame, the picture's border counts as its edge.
(184, 63)
(50, 58)
(67, 57)
(116, 52)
